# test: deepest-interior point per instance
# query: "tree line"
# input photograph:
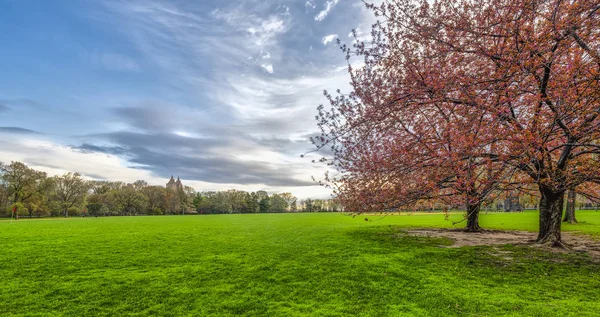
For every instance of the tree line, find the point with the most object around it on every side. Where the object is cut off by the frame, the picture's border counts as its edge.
(26, 192)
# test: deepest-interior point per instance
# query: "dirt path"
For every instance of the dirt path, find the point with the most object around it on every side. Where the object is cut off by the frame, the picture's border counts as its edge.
(577, 242)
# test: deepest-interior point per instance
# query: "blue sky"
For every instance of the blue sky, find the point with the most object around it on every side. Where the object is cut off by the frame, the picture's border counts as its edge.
(221, 93)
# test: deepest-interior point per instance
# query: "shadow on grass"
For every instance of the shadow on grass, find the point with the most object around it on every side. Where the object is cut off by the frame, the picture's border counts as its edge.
(481, 280)
(392, 239)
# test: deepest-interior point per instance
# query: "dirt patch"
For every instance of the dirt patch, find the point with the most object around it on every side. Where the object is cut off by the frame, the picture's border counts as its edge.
(576, 242)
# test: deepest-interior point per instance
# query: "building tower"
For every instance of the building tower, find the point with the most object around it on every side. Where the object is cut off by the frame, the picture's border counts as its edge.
(178, 184)
(171, 184)
(175, 185)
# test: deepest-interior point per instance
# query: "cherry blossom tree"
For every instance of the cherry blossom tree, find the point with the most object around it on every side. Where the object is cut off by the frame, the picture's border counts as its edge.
(458, 97)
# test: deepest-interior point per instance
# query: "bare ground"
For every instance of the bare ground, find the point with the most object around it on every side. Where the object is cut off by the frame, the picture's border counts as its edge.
(461, 238)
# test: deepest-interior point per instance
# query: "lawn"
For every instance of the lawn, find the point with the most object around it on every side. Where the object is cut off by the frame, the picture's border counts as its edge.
(285, 265)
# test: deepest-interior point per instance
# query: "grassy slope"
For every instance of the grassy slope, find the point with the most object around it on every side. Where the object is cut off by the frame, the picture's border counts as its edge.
(288, 264)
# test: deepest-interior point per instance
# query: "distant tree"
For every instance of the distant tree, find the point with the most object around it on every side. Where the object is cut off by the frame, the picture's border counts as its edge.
(236, 200)
(334, 205)
(290, 200)
(156, 198)
(197, 201)
(139, 184)
(319, 205)
(265, 204)
(156, 211)
(4, 199)
(99, 187)
(201, 203)
(309, 205)
(74, 211)
(23, 182)
(70, 191)
(252, 203)
(294, 206)
(188, 195)
(220, 203)
(38, 204)
(104, 210)
(172, 202)
(261, 194)
(278, 204)
(205, 203)
(130, 201)
(21, 210)
(95, 202)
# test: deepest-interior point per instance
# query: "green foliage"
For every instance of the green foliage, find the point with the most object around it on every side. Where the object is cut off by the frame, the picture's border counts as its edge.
(278, 204)
(104, 210)
(155, 211)
(252, 203)
(74, 211)
(129, 200)
(309, 205)
(94, 209)
(304, 264)
(21, 209)
(23, 182)
(197, 201)
(71, 191)
(265, 204)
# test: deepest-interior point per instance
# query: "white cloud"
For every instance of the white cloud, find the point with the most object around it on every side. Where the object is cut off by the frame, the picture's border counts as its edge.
(285, 10)
(262, 30)
(362, 35)
(329, 38)
(56, 159)
(268, 68)
(328, 7)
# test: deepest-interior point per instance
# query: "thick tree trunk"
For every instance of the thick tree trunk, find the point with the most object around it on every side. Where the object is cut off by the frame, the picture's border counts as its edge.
(66, 213)
(570, 212)
(473, 218)
(551, 208)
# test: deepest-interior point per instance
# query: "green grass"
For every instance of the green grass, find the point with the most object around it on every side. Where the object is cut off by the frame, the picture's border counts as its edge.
(285, 265)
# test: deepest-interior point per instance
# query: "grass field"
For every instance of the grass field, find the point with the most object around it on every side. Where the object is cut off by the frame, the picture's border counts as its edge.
(285, 265)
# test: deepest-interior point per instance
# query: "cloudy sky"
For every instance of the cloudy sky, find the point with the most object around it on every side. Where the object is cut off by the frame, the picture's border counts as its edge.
(221, 93)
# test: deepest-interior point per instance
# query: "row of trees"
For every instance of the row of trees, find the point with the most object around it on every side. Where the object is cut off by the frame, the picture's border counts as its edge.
(461, 101)
(235, 201)
(33, 193)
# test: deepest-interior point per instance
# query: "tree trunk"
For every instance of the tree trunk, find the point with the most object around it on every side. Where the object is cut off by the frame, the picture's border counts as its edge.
(570, 212)
(551, 208)
(66, 212)
(473, 217)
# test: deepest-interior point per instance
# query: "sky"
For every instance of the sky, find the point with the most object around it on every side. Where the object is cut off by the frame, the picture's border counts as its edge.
(220, 93)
